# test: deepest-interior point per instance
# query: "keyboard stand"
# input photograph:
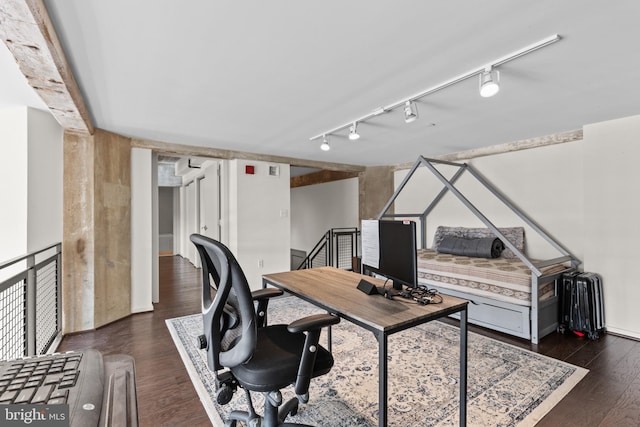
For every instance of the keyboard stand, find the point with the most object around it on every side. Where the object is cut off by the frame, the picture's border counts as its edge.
(119, 405)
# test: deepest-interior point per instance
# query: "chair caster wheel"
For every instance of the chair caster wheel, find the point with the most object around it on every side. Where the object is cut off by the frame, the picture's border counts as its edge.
(224, 394)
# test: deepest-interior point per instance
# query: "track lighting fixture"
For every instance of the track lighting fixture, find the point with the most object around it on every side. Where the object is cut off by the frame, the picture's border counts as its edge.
(489, 86)
(410, 111)
(353, 131)
(489, 82)
(325, 144)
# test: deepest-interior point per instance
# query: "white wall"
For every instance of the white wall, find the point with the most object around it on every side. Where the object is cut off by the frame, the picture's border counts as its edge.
(13, 182)
(45, 178)
(259, 219)
(318, 208)
(31, 181)
(142, 254)
(611, 209)
(545, 183)
(582, 193)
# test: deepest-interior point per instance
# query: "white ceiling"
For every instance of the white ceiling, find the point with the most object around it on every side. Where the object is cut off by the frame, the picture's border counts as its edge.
(265, 76)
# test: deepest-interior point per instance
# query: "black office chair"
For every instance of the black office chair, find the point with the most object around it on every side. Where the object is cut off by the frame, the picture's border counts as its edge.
(243, 351)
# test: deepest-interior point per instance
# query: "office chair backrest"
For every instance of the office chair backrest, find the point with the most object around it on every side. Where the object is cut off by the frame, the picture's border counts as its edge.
(229, 318)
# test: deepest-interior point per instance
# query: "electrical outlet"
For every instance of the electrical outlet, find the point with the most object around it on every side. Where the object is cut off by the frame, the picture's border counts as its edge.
(261, 263)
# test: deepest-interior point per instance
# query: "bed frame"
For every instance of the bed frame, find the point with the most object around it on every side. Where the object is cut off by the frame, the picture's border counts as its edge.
(530, 322)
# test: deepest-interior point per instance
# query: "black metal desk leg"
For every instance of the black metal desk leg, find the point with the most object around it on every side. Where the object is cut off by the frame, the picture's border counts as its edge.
(463, 368)
(382, 379)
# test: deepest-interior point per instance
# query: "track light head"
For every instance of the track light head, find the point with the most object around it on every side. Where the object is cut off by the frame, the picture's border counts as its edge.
(489, 82)
(410, 111)
(353, 131)
(325, 144)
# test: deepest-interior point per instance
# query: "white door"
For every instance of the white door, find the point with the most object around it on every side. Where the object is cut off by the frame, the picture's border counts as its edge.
(210, 203)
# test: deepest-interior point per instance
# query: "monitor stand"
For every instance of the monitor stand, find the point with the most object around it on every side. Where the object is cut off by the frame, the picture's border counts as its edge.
(370, 289)
(391, 292)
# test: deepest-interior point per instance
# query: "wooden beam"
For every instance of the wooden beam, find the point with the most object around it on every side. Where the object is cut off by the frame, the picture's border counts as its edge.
(27, 30)
(320, 177)
(217, 153)
(524, 144)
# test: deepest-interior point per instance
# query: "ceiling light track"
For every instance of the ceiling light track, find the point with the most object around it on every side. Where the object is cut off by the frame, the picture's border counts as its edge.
(490, 67)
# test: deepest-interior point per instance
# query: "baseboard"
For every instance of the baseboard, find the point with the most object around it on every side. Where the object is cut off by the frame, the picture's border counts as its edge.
(141, 309)
(623, 333)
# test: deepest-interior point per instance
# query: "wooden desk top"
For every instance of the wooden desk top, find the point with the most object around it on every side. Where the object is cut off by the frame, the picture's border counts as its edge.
(336, 291)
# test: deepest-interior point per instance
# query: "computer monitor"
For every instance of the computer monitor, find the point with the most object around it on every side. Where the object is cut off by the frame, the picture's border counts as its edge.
(397, 251)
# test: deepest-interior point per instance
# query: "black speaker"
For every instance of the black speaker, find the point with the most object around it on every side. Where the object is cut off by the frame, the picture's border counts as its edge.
(367, 288)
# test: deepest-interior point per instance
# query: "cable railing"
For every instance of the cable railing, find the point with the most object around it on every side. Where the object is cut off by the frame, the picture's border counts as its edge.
(337, 248)
(31, 303)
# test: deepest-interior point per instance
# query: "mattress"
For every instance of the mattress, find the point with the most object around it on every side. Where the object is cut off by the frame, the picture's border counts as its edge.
(504, 279)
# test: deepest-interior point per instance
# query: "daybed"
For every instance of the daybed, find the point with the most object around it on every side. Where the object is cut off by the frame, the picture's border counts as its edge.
(512, 293)
(500, 290)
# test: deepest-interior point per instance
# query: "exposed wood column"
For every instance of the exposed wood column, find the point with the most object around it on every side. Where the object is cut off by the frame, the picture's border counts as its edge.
(112, 213)
(97, 230)
(78, 253)
(375, 186)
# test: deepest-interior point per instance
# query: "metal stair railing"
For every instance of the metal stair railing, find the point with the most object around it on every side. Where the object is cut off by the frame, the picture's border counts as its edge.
(336, 248)
(31, 303)
(319, 255)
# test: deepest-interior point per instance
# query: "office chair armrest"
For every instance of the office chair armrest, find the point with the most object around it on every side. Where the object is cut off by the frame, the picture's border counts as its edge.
(313, 322)
(263, 296)
(266, 293)
(312, 325)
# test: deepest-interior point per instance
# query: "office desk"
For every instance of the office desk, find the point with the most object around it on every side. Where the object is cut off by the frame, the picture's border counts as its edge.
(336, 291)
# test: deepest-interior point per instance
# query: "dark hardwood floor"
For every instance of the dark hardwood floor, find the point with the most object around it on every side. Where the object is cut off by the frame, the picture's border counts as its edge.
(608, 396)
(166, 396)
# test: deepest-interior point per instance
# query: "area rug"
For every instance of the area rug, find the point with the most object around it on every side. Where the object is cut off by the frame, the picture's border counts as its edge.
(507, 386)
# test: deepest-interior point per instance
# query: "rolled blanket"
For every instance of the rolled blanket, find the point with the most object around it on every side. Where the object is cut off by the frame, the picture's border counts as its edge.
(482, 247)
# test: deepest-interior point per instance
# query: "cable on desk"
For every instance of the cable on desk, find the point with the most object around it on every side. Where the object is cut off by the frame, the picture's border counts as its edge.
(422, 295)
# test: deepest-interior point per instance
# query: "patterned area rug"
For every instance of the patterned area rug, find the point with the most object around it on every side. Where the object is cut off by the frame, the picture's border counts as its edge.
(507, 386)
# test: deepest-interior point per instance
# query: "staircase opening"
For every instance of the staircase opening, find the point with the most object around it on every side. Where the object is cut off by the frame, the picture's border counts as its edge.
(338, 247)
